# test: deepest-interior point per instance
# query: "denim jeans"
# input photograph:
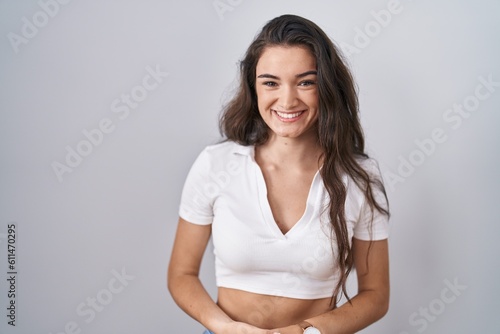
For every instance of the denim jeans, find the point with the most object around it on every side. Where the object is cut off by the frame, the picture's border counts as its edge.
(208, 332)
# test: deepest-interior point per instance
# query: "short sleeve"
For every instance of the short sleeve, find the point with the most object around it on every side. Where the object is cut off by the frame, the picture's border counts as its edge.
(197, 200)
(373, 224)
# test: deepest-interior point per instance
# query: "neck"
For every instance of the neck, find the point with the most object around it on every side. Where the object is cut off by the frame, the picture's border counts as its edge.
(303, 152)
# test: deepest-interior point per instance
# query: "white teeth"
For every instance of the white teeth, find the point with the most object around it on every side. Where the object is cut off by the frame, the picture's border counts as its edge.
(285, 115)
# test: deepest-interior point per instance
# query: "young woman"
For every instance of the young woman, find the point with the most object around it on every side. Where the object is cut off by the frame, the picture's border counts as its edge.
(290, 198)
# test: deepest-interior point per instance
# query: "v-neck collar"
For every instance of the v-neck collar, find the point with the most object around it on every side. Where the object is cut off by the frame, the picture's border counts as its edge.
(265, 207)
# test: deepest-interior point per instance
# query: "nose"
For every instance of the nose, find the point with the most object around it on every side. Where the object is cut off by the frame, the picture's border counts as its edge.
(288, 98)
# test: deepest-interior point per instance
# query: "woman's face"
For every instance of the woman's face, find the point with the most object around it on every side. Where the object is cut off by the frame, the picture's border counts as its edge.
(287, 92)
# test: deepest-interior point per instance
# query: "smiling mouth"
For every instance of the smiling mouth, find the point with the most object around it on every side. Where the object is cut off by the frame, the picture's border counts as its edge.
(288, 115)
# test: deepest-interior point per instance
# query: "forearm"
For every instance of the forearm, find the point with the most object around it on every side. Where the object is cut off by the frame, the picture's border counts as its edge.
(186, 288)
(189, 293)
(372, 301)
(365, 308)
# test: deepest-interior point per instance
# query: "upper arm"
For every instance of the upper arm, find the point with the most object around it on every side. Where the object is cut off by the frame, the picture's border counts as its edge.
(196, 206)
(189, 246)
(371, 259)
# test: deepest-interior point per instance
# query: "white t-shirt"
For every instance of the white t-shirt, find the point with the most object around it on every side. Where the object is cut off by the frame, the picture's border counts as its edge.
(226, 188)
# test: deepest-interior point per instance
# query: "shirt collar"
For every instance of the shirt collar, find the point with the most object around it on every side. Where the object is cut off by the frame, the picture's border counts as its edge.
(243, 150)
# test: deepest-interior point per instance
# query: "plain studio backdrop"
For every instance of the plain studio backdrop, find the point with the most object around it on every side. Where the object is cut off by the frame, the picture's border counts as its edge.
(105, 105)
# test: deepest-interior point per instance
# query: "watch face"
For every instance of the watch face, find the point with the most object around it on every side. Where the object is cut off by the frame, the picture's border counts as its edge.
(312, 330)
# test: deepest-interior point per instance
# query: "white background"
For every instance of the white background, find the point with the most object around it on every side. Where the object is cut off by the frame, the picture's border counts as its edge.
(117, 209)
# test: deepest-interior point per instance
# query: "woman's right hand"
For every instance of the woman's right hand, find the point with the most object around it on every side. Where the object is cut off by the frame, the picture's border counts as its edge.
(243, 328)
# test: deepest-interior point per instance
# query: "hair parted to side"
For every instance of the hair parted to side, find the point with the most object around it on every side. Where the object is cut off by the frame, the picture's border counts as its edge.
(339, 130)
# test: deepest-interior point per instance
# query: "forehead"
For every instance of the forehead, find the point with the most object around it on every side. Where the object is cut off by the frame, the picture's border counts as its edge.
(295, 59)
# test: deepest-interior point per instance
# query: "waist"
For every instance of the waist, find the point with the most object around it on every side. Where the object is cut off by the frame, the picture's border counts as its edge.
(266, 311)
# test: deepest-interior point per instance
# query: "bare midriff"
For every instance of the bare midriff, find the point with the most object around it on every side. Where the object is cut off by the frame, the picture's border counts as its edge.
(265, 311)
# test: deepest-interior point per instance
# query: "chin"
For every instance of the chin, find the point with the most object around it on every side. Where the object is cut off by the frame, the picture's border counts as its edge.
(288, 135)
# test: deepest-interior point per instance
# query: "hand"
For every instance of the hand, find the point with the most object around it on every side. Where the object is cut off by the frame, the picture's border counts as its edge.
(293, 329)
(237, 327)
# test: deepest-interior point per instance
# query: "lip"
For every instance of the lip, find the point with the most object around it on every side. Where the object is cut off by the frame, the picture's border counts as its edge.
(286, 119)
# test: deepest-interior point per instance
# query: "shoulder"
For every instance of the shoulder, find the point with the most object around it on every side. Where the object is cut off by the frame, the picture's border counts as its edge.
(369, 165)
(218, 155)
(227, 148)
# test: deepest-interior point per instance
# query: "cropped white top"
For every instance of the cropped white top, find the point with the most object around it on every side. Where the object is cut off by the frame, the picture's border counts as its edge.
(225, 187)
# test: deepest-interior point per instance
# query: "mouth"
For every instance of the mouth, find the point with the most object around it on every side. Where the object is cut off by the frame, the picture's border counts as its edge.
(288, 116)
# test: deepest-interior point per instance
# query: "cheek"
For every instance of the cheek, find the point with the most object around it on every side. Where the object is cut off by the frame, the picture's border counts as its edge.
(313, 99)
(264, 99)
(310, 99)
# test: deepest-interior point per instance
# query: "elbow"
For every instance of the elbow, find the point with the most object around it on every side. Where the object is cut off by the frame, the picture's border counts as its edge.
(178, 281)
(381, 298)
(169, 284)
(378, 304)
(382, 306)
(171, 280)
(174, 286)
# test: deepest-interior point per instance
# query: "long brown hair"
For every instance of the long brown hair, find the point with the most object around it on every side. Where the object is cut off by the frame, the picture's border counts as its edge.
(339, 130)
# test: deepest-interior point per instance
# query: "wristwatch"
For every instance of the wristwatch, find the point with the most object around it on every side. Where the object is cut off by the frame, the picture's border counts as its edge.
(308, 328)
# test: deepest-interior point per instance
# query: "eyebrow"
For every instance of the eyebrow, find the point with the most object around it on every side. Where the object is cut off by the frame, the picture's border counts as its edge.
(301, 75)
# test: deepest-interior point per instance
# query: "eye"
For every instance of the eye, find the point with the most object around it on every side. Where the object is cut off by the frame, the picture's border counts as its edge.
(270, 83)
(307, 83)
